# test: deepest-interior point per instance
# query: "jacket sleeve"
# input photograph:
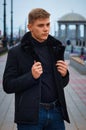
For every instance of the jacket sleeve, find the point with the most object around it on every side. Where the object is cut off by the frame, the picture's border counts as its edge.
(66, 79)
(12, 81)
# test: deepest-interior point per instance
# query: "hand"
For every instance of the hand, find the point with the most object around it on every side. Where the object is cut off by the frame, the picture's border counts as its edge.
(37, 70)
(62, 67)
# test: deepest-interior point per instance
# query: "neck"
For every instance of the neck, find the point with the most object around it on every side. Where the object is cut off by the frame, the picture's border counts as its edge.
(39, 40)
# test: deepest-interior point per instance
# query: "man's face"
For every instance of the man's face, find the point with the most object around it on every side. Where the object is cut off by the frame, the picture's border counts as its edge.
(40, 29)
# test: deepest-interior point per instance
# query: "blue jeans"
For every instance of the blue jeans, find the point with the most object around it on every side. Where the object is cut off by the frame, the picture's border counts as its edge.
(48, 120)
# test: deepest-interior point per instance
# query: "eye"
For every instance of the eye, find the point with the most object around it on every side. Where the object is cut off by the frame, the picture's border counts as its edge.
(48, 24)
(40, 25)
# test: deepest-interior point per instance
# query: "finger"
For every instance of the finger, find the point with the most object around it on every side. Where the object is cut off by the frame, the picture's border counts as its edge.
(39, 72)
(37, 67)
(61, 72)
(61, 62)
(61, 66)
(38, 63)
(62, 69)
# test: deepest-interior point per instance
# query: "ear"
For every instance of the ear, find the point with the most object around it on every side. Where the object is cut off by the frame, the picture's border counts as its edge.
(29, 26)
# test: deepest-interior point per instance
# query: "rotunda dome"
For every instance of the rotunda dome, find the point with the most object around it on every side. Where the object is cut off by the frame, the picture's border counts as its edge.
(72, 17)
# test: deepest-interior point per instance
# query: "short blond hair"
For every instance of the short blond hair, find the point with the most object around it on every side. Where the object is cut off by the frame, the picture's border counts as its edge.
(36, 14)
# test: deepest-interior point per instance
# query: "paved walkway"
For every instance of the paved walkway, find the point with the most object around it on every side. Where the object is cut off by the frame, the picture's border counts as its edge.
(75, 94)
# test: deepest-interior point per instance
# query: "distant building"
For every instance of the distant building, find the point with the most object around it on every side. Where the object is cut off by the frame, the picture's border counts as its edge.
(75, 21)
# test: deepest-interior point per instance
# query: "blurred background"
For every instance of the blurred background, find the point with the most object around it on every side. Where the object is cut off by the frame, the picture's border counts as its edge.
(67, 17)
(68, 24)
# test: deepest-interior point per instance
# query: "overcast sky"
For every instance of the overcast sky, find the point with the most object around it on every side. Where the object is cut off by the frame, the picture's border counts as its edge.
(57, 9)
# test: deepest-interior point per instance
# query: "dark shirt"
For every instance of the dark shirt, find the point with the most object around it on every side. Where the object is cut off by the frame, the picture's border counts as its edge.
(48, 89)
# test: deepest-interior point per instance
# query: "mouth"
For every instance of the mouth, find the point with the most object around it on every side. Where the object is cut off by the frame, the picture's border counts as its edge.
(45, 34)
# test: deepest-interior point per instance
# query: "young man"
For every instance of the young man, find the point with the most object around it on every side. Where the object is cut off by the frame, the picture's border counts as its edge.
(37, 73)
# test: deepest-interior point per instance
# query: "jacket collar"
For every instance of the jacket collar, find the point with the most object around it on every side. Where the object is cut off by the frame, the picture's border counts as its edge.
(54, 45)
(26, 41)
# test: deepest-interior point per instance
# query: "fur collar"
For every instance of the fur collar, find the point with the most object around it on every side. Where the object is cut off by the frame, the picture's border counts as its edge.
(26, 41)
(54, 45)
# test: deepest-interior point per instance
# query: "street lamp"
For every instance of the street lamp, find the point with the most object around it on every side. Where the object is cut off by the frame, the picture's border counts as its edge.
(11, 35)
(4, 33)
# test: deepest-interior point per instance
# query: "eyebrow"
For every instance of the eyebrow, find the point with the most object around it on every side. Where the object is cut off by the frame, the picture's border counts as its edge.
(43, 24)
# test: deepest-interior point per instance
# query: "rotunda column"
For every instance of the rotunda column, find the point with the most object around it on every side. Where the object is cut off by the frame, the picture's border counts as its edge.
(66, 31)
(59, 30)
(85, 35)
(84, 31)
(77, 33)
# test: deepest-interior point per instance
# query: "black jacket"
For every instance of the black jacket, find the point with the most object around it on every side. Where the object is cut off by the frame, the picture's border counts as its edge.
(18, 79)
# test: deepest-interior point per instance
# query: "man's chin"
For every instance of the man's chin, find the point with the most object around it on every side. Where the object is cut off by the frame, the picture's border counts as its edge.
(45, 38)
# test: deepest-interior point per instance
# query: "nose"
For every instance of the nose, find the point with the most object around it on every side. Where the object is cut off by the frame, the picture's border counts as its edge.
(46, 28)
